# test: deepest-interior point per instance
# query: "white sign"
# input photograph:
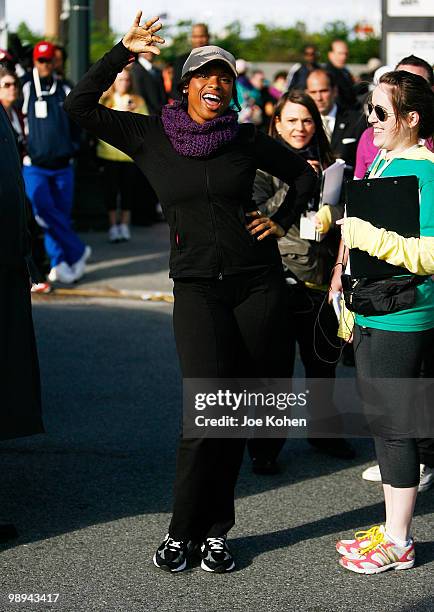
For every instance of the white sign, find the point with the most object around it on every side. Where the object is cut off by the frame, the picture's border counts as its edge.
(410, 8)
(402, 44)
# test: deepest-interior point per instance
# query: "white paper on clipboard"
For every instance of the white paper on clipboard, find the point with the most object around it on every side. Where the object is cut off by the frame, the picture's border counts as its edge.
(331, 186)
(332, 178)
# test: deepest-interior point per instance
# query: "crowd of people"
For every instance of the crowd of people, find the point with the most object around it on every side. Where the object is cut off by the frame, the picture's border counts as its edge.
(236, 164)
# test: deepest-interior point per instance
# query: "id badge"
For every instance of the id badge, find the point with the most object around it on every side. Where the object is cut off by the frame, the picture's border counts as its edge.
(41, 110)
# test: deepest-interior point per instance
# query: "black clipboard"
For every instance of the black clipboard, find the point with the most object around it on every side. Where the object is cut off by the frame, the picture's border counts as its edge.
(392, 203)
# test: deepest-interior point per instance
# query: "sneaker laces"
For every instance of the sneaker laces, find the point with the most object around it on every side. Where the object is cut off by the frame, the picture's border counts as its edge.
(368, 534)
(377, 538)
(216, 543)
(173, 544)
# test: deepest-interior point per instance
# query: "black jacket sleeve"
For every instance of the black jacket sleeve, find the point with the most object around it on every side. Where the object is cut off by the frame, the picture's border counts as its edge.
(122, 129)
(292, 169)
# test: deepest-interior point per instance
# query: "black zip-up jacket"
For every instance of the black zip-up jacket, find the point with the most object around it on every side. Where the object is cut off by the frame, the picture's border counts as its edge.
(204, 199)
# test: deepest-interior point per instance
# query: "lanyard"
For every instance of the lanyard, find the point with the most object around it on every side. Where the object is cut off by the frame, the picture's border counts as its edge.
(375, 172)
(39, 92)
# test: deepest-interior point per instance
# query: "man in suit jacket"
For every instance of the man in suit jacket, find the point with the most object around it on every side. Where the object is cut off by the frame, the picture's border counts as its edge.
(199, 38)
(148, 83)
(20, 406)
(343, 127)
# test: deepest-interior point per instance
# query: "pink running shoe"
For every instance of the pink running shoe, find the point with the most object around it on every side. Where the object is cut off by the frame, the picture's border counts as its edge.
(41, 288)
(379, 556)
(362, 539)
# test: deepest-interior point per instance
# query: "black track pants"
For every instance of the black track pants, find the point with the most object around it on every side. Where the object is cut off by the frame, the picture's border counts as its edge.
(235, 327)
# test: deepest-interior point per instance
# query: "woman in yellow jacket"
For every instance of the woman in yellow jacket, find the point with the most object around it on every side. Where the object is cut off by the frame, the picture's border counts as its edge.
(393, 345)
(121, 177)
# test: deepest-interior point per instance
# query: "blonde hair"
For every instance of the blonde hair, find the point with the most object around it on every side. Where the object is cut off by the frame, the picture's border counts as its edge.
(107, 98)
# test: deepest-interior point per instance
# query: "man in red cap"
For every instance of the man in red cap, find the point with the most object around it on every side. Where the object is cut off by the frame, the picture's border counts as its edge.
(43, 55)
(52, 142)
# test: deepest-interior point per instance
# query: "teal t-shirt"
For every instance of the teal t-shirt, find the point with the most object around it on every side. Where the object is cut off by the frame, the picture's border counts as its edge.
(421, 315)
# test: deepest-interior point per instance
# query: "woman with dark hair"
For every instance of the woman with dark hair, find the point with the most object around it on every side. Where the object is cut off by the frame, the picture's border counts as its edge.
(229, 313)
(393, 345)
(311, 136)
(296, 123)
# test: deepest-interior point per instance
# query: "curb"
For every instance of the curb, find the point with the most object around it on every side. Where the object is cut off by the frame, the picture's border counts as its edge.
(108, 293)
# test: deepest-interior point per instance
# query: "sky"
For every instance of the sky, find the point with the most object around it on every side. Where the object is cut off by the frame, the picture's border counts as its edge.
(217, 13)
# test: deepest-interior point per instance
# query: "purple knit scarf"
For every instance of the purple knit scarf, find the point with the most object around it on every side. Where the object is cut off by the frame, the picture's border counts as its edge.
(192, 139)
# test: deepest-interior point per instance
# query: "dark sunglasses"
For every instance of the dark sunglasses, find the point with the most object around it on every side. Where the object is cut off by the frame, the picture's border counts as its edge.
(44, 60)
(381, 113)
(7, 85)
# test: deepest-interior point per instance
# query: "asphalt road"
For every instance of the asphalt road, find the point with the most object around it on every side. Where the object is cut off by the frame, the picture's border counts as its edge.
(92, 497)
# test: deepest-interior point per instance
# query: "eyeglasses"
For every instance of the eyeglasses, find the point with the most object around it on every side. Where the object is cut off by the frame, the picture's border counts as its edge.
(44, 60)
(382, 113)
(8, 84)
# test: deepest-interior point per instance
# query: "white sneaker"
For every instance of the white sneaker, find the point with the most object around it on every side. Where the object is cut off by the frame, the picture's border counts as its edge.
(62, 273)
(372, 473)
(87, 252)
(426, 476)
(114, 234)
(79, 266)
(124, 231)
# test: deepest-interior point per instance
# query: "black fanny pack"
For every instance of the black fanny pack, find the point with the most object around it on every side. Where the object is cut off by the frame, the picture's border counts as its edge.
(381, 296)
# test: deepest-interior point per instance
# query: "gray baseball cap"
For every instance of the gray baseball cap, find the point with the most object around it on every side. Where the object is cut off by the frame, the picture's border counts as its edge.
(203, 55)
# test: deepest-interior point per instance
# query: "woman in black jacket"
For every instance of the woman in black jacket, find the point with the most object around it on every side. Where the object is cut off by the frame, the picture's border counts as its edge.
(308, 264)
(20, 406)
(228, 283)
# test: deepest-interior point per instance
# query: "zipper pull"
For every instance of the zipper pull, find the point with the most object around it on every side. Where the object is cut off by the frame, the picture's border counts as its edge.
(220, 276)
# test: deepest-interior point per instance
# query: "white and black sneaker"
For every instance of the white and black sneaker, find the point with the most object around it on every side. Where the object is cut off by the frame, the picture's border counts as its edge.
(172, 555)
(216, 556)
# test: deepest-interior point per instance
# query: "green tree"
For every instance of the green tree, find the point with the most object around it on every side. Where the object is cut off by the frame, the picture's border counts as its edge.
(179, 37)
(26, 35)
(268, 43)
(271, 43)
(361, 50)
(231, 39)
(102, 40)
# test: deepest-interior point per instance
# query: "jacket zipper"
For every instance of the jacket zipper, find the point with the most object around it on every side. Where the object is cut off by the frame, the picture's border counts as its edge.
(214, 224)
(177, 237)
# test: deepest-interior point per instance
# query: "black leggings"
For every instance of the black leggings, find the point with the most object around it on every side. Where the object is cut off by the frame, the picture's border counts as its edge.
(235, 327)
(386, 354)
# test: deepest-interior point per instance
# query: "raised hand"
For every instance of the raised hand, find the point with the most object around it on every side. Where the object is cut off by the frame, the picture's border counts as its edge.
(140, 39)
